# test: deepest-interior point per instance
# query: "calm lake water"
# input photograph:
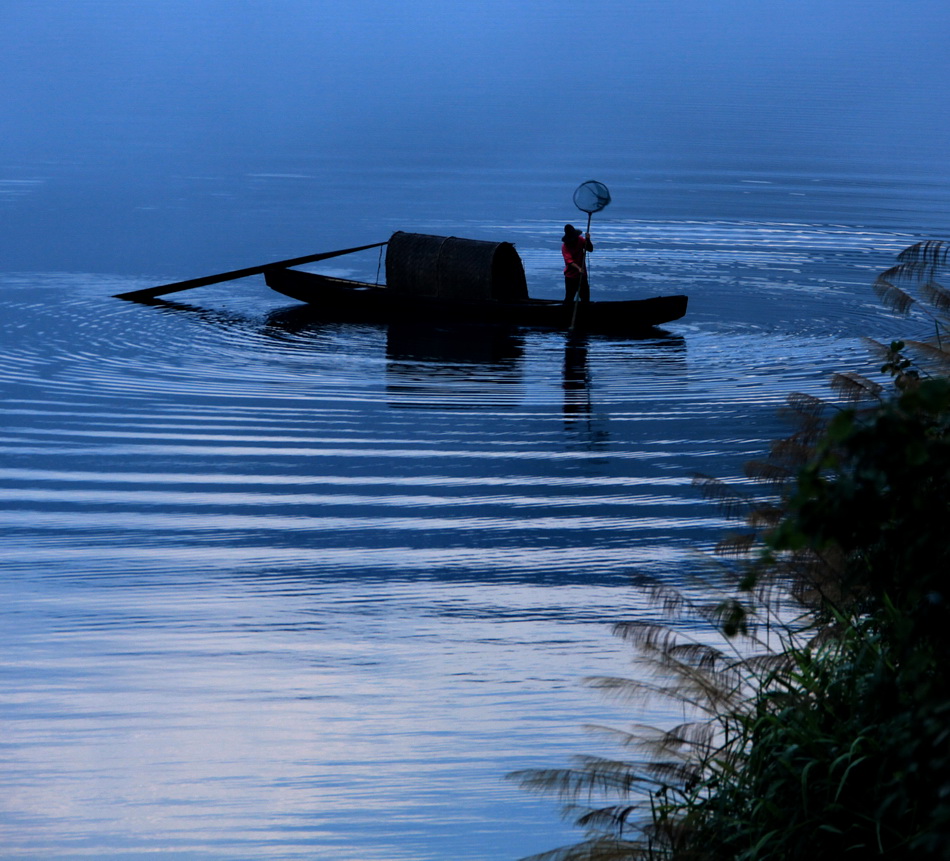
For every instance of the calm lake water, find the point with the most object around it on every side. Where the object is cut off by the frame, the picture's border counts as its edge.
(274, 588)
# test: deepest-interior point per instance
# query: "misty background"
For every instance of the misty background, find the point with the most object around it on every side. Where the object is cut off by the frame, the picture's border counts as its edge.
(182, 136)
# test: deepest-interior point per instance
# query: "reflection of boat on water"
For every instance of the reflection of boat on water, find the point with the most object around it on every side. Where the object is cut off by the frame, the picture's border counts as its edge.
(490, 345)
(453, 367)
(445, 279)
(463, 366)
(445, 366)
(299, 322)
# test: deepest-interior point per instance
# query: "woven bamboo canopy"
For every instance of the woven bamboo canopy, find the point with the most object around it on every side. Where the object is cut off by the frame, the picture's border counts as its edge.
(463, 270)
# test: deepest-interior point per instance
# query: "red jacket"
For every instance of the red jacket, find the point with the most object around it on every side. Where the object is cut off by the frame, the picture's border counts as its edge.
(574, 255)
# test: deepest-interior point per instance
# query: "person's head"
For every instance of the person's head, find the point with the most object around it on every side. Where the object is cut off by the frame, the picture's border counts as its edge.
(570, 234)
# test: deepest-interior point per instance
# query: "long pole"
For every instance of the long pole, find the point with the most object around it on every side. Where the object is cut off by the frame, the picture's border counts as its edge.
(577, 293)
(178, 286)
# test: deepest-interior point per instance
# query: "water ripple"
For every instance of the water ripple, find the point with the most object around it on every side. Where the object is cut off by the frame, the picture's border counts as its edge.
(231, 537)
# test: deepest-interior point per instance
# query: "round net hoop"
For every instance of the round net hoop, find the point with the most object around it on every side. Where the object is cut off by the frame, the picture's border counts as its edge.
(591, 196)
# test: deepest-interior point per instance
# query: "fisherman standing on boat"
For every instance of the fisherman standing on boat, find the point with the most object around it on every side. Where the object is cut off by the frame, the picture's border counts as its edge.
(574, 246)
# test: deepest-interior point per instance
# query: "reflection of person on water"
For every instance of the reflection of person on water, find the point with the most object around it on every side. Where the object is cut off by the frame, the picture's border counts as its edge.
(574, 246)
(576, 378)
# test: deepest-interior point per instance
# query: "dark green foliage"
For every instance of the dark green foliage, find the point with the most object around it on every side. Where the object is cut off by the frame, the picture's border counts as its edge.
(877, 492)
(850, 751)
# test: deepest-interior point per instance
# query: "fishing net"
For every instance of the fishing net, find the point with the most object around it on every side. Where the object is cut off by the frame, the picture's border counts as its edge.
(591, 196)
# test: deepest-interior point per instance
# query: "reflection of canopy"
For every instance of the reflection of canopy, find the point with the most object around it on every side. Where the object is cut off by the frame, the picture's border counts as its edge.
(467, 270)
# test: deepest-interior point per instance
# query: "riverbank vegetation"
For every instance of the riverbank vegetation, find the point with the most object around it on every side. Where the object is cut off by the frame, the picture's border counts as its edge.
(817, 713)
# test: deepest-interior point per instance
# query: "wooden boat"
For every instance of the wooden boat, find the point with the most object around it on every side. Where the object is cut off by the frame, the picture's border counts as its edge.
(446, 279)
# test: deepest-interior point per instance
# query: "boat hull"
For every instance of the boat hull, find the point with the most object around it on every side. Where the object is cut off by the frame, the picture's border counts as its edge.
(341, 299)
